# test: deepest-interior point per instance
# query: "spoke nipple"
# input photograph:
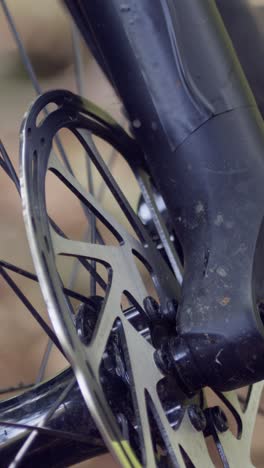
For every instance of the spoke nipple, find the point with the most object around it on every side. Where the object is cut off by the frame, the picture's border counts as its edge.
(197, 417)
(219, 418)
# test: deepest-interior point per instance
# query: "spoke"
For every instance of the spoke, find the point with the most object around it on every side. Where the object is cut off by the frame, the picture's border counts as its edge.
(30, 70)
(82, 261)
(74, 185)
(44, 362)
(26, 445)
(21, 49)
(234, 409)
(104, 326)
(173, 257)
(48, 431)
(166, 283)
(113, 186)
(27, 274)
(8, 166)
(110, 164)
(35, 83)
(31, 309)
(106, 254)
(78, 62)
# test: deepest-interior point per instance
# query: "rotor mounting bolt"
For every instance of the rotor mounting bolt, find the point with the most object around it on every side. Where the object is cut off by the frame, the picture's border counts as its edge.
(197, 417)
(164, 359)
(152, 308)
(219, 419)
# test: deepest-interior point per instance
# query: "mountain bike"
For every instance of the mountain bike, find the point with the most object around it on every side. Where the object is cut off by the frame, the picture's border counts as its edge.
(164, 335)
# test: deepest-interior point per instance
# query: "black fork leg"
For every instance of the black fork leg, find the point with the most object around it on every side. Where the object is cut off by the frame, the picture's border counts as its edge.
(196, 119)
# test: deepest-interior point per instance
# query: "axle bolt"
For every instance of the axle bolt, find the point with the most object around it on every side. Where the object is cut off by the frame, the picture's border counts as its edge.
(197, 417)
(219, 419)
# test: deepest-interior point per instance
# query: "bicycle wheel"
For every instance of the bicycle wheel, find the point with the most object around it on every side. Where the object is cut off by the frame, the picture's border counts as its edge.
(124, 302)
(29, 356)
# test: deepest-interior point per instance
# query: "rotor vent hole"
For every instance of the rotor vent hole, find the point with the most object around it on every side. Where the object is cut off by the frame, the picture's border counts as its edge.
(161, 452)
(171, 401)
(135, 315)
(85, 281)
(74, 218)
(256, 452)
(213, 452)
(117, 187)
(147, 276)
(86, 210)
(116, 381)
(234, 422)
(243, 395)
(105, 175)
(65, 209)
(48, 109)
(186, 459)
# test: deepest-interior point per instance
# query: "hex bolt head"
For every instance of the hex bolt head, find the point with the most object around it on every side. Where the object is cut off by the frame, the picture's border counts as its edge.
(197, 417)
(219, 419)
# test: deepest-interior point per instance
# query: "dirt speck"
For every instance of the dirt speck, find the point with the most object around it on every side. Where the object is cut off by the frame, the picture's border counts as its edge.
(219, 220)
(199, 208)
(221, 272)
(225, 301)
(136, 123)
(124, 7)
(229, 224)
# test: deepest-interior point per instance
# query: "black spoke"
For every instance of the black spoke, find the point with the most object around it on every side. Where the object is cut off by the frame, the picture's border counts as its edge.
(29, 275)
(113, 186)
(78, 64)
(31, 308)
(110, 164)
(6, 164)
(31, 73)
(8, 167)
(48, 431)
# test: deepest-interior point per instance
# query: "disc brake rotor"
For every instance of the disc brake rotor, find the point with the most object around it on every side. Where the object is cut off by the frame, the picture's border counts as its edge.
(183, 442)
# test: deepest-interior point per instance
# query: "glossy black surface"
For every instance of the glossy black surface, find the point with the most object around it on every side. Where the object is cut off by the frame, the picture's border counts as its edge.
(80, 439)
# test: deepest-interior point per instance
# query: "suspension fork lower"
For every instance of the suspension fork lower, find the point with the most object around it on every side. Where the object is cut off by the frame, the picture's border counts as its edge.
(198, 124)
